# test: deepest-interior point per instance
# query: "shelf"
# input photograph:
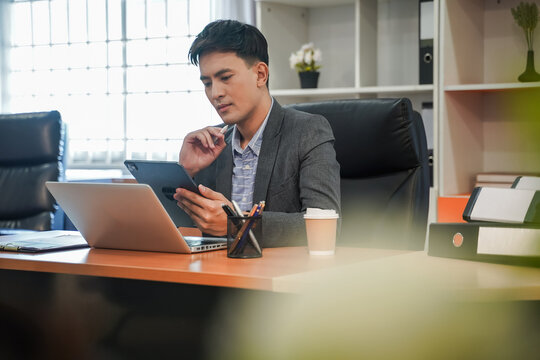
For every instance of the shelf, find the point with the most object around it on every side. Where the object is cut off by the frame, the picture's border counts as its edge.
(366, 90)
(488, 121)
(492, 87)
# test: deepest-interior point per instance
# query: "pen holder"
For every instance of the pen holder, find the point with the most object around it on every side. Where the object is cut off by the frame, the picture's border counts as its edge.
(242, 235)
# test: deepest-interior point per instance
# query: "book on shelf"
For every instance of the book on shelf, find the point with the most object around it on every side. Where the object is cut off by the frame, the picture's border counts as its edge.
(503, 180)
(500, 177)
(426, 34)
(517, 206)
(527, 182)
(493, 184)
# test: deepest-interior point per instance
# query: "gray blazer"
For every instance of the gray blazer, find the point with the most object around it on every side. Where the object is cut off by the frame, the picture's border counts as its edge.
(297, 169)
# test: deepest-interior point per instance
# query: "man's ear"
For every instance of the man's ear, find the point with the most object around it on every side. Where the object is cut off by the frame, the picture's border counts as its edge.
(262, 73)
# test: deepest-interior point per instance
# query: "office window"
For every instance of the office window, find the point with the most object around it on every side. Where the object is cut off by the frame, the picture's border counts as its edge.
(117, 70)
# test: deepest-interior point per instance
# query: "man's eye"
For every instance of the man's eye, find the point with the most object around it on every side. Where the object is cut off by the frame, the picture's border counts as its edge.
(207, 84)
(225, 78)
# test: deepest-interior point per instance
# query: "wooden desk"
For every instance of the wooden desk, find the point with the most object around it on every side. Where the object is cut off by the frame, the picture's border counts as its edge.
(128, 304)
(210, 268)
(462, 279)
(286, 269)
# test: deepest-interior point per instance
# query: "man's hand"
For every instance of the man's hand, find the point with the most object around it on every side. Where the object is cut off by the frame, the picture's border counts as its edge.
(201, 148)
(205, 210)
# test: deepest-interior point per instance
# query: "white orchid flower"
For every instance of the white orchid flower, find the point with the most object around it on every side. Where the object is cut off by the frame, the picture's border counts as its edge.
(308, 57)
(292, 60)
(307, 46)
(317, 55)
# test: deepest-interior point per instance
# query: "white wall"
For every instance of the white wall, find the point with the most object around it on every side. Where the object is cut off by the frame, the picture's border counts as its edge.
(331, 28)
(397, 42)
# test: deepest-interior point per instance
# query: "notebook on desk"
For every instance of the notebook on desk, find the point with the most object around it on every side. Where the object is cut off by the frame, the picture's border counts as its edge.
(42, 241)
(125, 216)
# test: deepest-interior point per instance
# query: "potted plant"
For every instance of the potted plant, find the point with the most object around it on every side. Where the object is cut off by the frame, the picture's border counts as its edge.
(526, 16)
(306, 62)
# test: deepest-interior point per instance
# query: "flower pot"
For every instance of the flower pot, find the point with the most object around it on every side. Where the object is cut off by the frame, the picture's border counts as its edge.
(530, 73)
(308, 79)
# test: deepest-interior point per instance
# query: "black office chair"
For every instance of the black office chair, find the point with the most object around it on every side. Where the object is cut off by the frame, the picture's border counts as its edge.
(381, 147)
(31, 153)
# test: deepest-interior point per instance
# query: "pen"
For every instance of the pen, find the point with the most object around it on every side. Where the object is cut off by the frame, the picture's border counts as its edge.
(254, 209)
(222, 131)
(228, 210)
(237, 208)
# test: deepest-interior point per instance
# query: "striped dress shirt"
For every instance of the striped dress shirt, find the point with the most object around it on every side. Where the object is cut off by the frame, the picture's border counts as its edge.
(245, 166)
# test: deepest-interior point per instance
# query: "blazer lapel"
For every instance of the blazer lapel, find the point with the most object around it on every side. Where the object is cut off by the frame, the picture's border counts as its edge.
(224, 170)
(267, 155)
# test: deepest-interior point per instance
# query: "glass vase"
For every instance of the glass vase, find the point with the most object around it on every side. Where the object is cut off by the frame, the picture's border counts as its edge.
(530, 73)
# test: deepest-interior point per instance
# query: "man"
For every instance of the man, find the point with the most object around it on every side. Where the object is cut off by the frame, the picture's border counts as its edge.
(282, 156)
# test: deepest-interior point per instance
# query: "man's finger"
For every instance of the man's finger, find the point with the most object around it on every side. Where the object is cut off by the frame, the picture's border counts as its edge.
(194, 211)
(209, 139)
(189, 198)
(210, 194)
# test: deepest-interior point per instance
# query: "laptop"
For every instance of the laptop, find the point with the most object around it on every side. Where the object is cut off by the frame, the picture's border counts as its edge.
(125, 216)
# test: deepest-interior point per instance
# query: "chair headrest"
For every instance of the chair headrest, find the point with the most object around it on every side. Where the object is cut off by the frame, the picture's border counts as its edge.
(373, 136)
(30, 138)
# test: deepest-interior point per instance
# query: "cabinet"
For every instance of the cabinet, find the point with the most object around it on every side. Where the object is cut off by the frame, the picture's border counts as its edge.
(488, 122)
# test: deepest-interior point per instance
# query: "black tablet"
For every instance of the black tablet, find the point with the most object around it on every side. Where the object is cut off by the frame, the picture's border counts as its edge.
(164, 177)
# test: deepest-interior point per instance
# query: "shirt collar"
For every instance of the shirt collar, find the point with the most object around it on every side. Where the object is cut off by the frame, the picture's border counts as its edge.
(256, 141)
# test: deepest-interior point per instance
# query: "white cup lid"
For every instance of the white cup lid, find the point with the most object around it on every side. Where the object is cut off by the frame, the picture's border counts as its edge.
(315, 213)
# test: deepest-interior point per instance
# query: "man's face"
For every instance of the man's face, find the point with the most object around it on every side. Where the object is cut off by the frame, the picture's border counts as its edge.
(230, 85)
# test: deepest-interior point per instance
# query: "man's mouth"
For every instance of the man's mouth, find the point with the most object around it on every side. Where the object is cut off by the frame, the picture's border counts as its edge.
(223, 107)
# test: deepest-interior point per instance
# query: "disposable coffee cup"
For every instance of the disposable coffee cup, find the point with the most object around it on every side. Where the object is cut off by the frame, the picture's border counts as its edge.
(321, 226)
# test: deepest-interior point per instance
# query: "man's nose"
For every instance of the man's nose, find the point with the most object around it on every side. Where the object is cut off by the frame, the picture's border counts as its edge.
(217, 91)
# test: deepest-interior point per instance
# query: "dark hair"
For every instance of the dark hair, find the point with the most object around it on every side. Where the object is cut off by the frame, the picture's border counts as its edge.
(230, 35)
